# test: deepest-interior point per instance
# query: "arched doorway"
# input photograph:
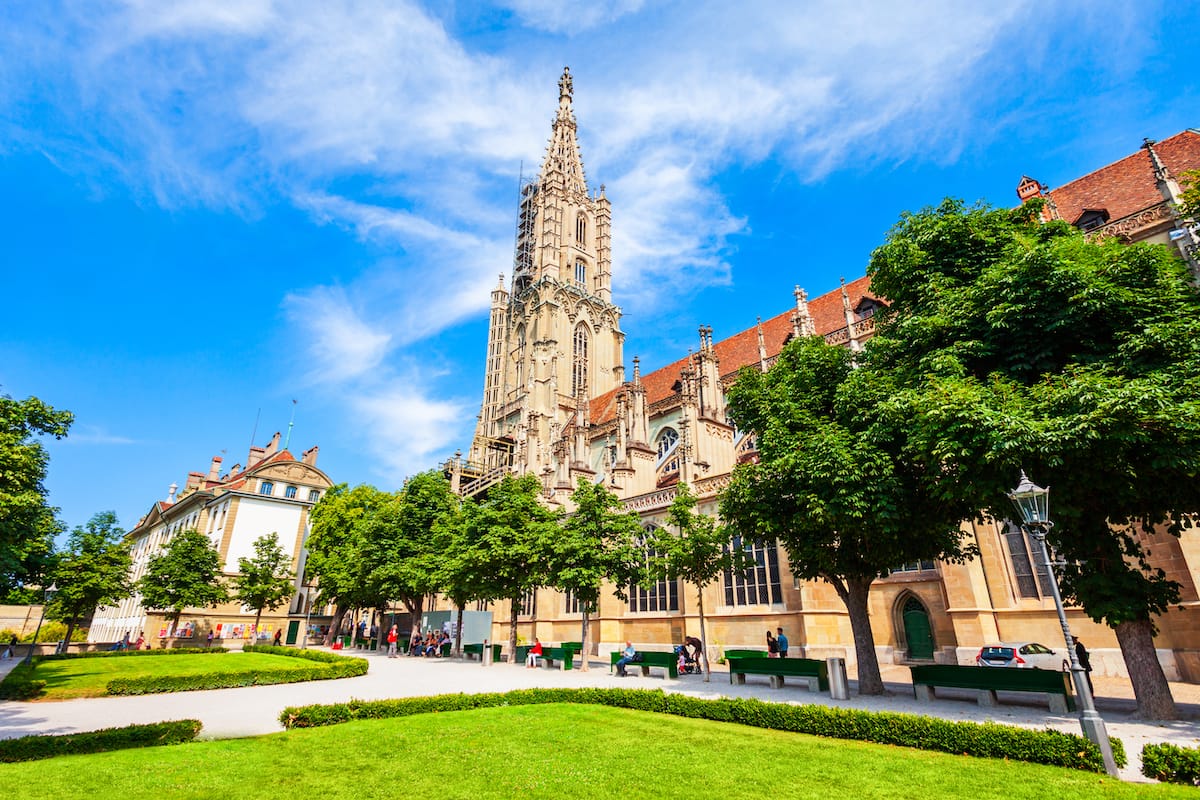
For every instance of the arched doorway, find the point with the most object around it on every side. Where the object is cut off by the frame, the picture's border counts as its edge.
(918, 633)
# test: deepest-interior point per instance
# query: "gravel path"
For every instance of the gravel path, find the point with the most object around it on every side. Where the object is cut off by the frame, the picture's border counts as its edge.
(255, 710)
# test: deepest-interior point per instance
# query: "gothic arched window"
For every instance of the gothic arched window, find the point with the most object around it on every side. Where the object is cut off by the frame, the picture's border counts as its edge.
(580, 228)
(579, 361)
(581, 274)
(519, 356)
(660, 595)
(667, 439)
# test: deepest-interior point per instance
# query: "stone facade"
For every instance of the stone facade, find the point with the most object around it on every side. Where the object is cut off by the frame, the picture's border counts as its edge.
(274, 492)
(641, 437)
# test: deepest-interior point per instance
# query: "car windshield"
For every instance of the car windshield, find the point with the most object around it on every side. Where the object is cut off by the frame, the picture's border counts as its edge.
(997, 652)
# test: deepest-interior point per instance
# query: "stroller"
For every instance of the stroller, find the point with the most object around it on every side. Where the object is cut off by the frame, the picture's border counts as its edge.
(687, 662)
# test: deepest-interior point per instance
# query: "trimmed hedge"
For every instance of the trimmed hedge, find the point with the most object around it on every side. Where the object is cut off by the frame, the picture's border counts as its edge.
(333, 667)
(986, 740)
(179, 651)
(18, 685)
(1172, 764)
(32, 748)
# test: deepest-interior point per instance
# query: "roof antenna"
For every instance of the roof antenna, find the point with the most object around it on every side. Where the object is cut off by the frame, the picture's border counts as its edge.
(254, 432)
(291, 422)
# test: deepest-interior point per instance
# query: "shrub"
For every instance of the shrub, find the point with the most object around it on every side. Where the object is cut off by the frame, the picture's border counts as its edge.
(333, 667)
(988, 740)
(1166, 762)
(179, 651)
(31, 748)
(20, 686)
(54, 632)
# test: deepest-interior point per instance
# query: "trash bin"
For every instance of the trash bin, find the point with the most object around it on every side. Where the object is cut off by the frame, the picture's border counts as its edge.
(486, 654)
(839, 688)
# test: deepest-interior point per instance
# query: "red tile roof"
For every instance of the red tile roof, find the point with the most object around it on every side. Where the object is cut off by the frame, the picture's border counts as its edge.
(741, 349)
(1128, 186)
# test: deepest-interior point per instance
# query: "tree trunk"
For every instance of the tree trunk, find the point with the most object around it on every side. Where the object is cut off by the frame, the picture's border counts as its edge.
(703, 636)
(854, 594)
(416, 606)
(339, 613)
(584, 638)
(70, 631)
(458, 632)
(1150, 687)
(257, 620)
(514, 608)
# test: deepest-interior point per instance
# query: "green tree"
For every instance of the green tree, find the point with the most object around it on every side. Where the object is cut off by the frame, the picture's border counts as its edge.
(336, 546)
(597, 542)
(92, 571)
(1025, 345)
(400, 555)
(27, 524)
(186, 574)
(698, 552)
(455, 573)
(266, 580)
(510, 533)
(1189, 208)
(836, 484)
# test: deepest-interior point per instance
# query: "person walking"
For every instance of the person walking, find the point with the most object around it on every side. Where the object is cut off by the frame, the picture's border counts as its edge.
(781, 642)
(278, 637)
(1085, 661)
(11, 648)
(393, 634)
(772, 646)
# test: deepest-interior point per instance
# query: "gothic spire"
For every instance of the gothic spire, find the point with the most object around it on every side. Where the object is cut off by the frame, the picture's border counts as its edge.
(563, 166)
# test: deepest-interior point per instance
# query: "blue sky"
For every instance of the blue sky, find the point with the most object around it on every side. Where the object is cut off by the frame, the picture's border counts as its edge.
(213, 208)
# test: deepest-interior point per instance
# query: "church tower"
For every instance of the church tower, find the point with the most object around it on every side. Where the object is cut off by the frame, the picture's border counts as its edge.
(555, 337)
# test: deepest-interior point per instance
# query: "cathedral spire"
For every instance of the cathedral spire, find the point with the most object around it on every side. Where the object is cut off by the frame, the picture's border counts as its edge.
(563, 166)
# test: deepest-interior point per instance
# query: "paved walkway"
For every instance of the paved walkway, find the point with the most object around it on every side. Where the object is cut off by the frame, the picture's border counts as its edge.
(255, 710)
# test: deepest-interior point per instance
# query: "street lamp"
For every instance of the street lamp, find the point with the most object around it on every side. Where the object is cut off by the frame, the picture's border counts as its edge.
(308, 587)
(47, 596)
(1033, 504)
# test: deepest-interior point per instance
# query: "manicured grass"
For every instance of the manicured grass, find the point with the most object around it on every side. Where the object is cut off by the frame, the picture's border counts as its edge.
(550, 750)
(87, 677)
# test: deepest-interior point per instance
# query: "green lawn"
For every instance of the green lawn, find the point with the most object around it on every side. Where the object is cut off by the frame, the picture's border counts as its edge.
(87, 677)
(548, 751)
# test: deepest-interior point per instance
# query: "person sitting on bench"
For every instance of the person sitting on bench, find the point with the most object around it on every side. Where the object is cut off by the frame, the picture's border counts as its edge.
(535, 652)
(626, 657)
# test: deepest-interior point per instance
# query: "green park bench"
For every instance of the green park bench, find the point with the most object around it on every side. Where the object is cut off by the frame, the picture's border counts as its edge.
(476, 651)
(813, 671)
(744, 654)
(650, 658)
(986, 681)
(565, 656)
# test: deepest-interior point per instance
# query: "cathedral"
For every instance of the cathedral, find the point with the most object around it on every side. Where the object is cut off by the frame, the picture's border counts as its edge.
(557, 402)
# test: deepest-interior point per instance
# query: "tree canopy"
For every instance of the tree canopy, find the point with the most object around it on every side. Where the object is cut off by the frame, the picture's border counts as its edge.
(265, 580)
(91, 571)
(837, 484)
(27, 523)
(186, 574)
(598, 541)
(1022, 344)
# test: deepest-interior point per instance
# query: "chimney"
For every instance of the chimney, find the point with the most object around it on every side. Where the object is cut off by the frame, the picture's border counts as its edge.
(272, 446)
(171, 490)
(194, 480)
(1028, 189)
(309, 456)
(256, 455)
(215, 469)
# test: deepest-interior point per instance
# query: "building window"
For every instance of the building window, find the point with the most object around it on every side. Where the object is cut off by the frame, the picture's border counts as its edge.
(580, 229)
(667, 439)
(528, 604)
(758, 585)
(572, 604)
(1025, 565)
(579, 361)
(581, 274)
(266, 487)
(914, 566)
(483, 605)
(290, 492)
(313, 495)
(662, 595)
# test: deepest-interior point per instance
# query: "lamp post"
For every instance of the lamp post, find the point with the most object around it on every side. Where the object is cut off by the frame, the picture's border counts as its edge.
(1033, 504)
(47, 596)
(308, 587)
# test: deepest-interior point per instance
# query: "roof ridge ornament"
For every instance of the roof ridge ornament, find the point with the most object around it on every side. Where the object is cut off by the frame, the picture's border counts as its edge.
(566, 88)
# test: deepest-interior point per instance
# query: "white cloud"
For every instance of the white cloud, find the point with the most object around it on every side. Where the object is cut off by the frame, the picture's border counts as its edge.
(408, 430)
(571, 16)
(340, 344)
(94, 434)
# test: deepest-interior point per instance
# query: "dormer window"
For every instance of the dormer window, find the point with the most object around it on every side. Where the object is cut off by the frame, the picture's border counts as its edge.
(1092, 218)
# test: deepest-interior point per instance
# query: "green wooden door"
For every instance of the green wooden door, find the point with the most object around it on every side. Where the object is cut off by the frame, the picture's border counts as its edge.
(293, 629)
(917, 631)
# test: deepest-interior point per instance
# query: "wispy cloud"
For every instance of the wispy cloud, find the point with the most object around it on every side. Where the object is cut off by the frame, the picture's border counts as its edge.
(94, 434)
